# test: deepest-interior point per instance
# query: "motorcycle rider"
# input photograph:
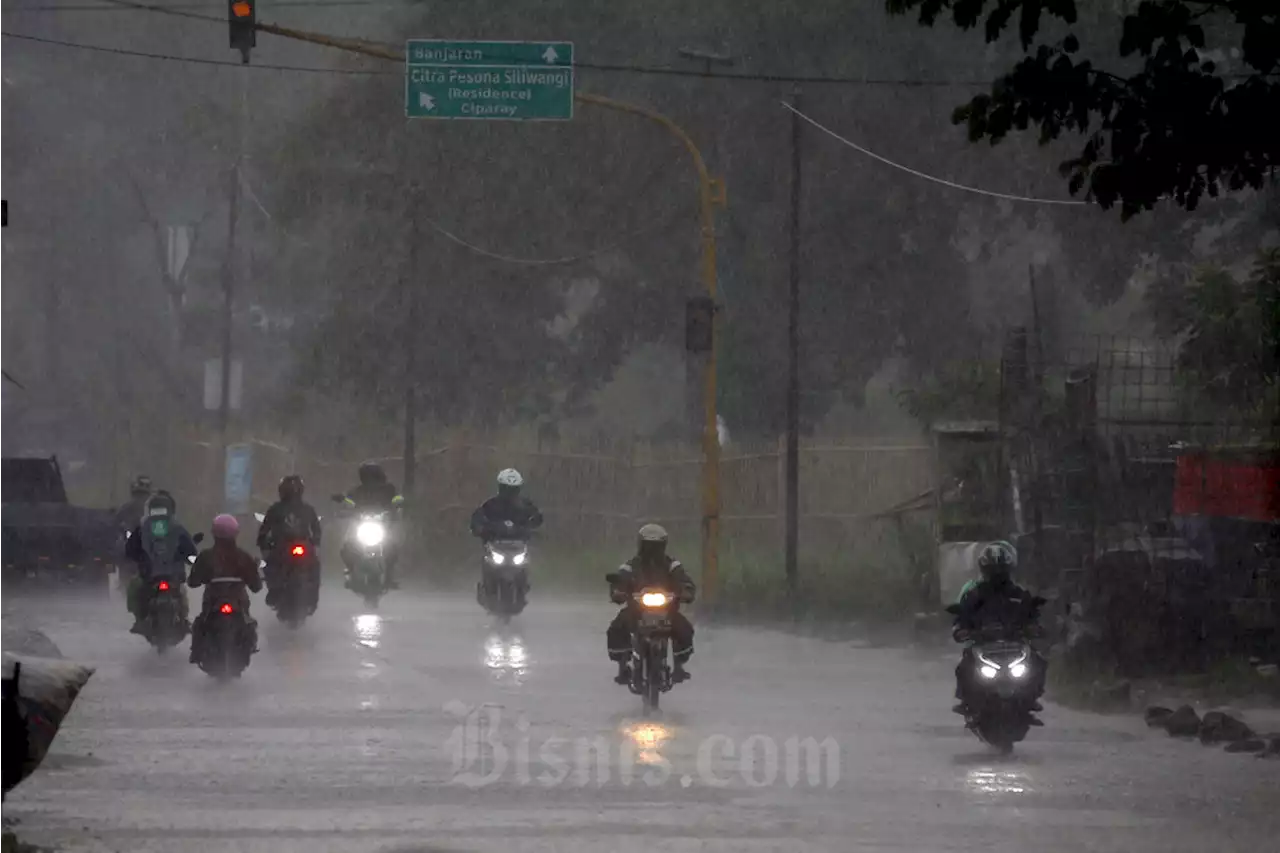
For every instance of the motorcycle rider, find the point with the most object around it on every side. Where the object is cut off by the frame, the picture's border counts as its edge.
(130, 512)
(127, 517)
(506, 515)
(489, 521)
(992, 599)
(224, 560)
(650, 567)
(291, 519)
(376, 494)
(160, 546)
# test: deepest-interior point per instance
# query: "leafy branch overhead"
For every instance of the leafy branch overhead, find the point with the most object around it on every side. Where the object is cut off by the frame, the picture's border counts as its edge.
(1194, 116)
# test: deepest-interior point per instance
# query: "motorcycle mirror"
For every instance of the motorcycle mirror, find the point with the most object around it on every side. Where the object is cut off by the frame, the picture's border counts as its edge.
(191, 560)
(953, 609)
(612, 577)
(337, 498)
(198, 538)
(1037, 601)
(260, 517)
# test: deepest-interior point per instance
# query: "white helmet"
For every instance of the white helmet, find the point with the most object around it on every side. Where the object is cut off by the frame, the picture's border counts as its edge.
(510, 477)
(653, 533)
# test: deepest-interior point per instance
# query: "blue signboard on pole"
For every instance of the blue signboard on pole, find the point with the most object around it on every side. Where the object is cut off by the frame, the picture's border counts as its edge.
(239, 478)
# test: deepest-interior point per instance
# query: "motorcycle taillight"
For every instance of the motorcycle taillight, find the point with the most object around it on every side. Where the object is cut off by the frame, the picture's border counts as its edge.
(299, 551)
(163, 586)
(226, 608)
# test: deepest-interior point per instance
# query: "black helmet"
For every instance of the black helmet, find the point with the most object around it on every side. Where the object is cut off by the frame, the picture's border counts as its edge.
(290, 488)
(141, 485)
(997, 561)
(371, 474)
(162, 500)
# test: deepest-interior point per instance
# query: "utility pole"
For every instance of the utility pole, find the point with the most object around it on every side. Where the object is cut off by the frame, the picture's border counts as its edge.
(793, 361)
(409, 288)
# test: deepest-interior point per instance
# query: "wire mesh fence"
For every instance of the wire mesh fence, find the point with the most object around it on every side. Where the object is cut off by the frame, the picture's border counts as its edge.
(1147, 499)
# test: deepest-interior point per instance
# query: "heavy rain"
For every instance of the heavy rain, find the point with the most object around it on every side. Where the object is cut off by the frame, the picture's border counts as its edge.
(732, 426)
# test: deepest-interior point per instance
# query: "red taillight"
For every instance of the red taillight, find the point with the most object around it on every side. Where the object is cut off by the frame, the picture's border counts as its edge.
(226, 608)
(164, 586)
(299, 551)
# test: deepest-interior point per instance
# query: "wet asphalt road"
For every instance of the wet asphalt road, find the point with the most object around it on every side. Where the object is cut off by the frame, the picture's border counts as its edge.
(350, 734)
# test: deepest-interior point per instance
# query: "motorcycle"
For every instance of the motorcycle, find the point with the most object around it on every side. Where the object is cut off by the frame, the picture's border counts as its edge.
(367, 537)
(650, 642)
(166, 624)
(294, 572)
(1001, 687)
(504, 584)
(227, 639)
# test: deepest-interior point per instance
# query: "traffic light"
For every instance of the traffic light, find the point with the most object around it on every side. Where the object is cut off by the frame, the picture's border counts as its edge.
(699, 323)
(242, 19)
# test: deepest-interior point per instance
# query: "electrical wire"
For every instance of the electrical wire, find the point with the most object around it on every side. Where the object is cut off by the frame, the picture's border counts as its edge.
(924, 175)
(675, 72)
(275, 4)
(179, 11)
(196, 60)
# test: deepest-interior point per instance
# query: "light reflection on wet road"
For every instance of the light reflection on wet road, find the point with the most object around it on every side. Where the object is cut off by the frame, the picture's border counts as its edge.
(352, 734)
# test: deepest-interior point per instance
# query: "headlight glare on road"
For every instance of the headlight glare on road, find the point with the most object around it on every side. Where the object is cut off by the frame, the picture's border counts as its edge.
(1018, 670)
(370, 533)
(988, 671)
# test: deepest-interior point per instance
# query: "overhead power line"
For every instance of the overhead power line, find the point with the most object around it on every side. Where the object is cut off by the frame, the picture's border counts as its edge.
(634, 69)
(275, 4)
(195, 60)
(934, 178)
(181, 11)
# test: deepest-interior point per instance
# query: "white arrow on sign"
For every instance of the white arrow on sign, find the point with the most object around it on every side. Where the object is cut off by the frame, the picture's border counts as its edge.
(550, 55)
(426, 102)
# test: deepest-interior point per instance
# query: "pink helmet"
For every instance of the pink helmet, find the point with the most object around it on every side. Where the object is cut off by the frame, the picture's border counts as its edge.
(225, 527)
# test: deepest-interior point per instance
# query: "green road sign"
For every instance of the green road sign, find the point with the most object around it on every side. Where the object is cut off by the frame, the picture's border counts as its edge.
(520, 80)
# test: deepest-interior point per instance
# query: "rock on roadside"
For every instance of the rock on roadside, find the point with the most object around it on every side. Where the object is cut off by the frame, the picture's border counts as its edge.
(1221, 727)
(1184, 722)
(28, 642)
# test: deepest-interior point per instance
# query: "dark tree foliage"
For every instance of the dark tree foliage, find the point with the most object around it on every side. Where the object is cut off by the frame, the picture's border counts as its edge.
(1172, 124)
(1229, 332)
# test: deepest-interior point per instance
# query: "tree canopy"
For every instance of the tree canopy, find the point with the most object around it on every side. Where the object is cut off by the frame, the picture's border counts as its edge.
(1185, 106)
(1228, 327)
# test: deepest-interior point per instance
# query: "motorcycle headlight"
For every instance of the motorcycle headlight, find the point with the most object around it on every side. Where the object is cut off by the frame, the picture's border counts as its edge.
(519, 559)
(654, 599)
(1018, 670)
(988, 671)
(370, 533)
(497, 557)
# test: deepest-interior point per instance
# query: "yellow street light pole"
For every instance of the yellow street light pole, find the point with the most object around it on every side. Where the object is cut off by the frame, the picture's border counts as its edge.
(710, 194)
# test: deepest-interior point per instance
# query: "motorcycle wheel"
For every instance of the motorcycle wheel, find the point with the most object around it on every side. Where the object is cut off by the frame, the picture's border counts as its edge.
(1000, 732)
(651, 683)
